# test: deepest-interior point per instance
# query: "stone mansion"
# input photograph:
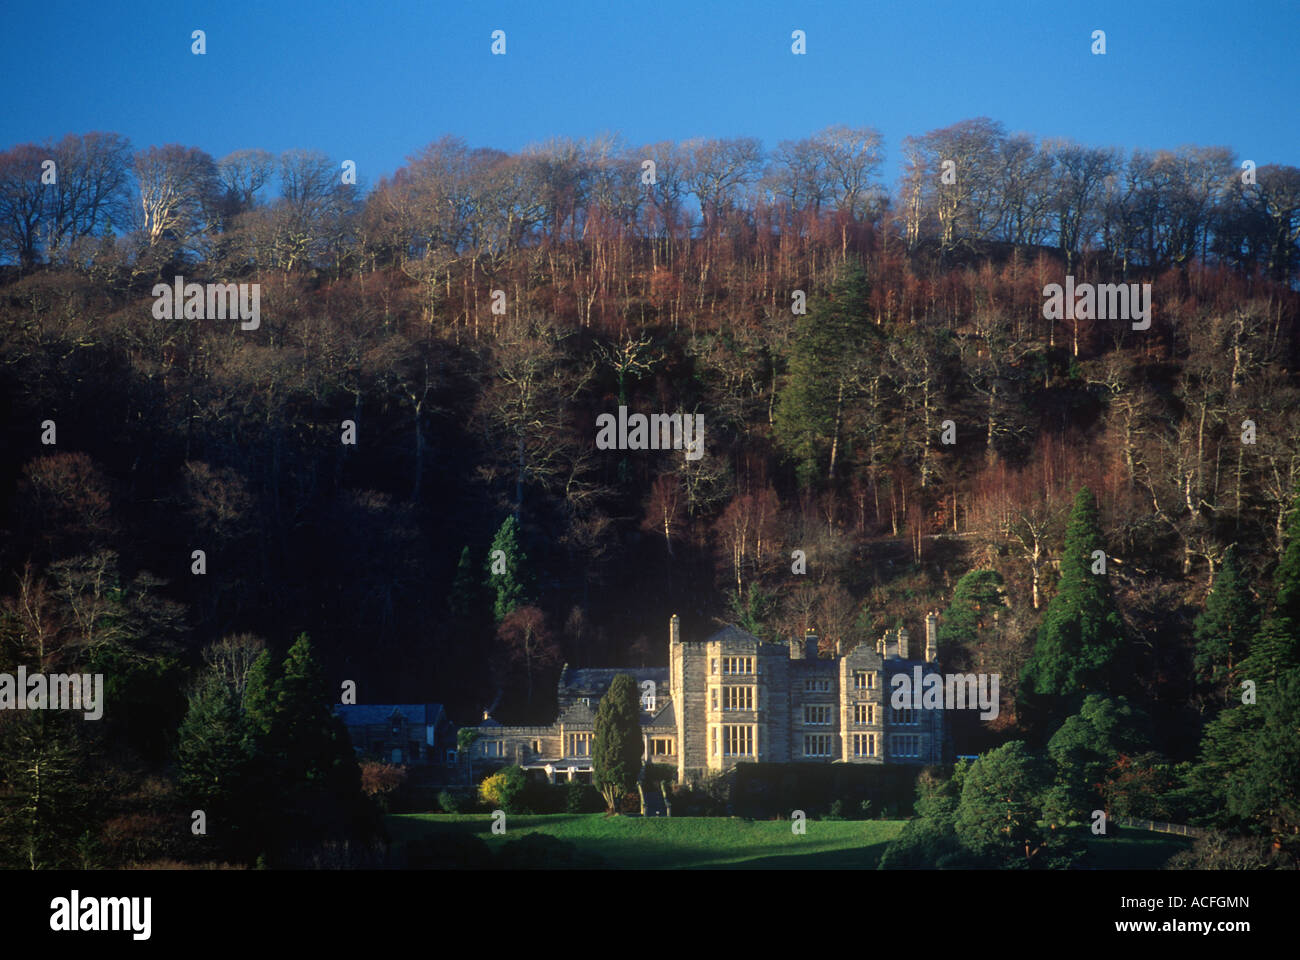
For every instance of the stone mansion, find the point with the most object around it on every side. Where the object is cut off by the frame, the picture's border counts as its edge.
(733, 698)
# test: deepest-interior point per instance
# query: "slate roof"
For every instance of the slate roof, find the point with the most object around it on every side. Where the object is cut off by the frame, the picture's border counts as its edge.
(665, 718)
(364, 714)
(577, 713)
(734, 633)
(595, 681)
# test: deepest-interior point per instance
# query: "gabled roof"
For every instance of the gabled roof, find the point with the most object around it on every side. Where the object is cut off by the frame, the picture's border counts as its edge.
(577, 714)
(733, 633)
(364, 714)
(665, 717)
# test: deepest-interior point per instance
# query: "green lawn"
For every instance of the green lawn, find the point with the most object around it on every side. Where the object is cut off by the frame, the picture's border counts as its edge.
(678, 842)
(718, 842)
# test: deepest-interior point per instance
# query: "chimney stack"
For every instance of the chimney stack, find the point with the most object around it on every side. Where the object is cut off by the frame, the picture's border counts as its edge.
(796, 648)
(902, 643)
(810, 643)
(931, 637)
(674, 630)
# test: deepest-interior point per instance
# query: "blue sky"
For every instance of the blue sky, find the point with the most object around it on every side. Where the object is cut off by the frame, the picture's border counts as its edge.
(373, 82)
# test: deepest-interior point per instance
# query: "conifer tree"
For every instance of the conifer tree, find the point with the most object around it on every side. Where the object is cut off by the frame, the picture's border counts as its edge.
(833, 350)
(1225, 627)
(259, 697)
(213, 760)
(310, 742)
(507, 572)
(1243, 749)
(302, 764)
(1275, 649)
(997, 817)
(977, 595)
(617, 746)
(1079, 649)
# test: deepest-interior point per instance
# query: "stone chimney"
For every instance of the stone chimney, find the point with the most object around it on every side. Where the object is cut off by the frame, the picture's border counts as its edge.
(810, 643)
(674, 630)
(902, 643)
(931, 637)
(882, 645)
(796, 648)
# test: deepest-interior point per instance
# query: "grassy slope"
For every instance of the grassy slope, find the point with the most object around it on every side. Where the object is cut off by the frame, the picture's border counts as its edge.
(694, 842)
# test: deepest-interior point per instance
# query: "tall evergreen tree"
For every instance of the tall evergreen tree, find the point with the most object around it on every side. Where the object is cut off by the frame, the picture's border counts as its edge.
(617, 746)
(1080, 645)
(1275, 649)
(310, 744)
(213, 760)
(507, 570)
(1264, 786)
(1239, 748)
(835, 342)
(1225, 627)
(977, 595)
(1287, 577)
(259, 697)
(302, 764)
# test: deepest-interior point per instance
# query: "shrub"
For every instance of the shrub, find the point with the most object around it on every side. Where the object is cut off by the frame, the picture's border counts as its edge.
(582, 798)
(502, 790)
(455, 801)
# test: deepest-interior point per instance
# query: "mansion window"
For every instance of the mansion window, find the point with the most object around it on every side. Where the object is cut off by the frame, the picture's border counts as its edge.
(864, 744)
(737, 698)
(817, 715)
(494, 748)
(906, 745)
(864, 680)
(536, 746)
(817, 745)
(661, 746)
(737, 665)
(579, 745)
(737, 740)
(816, 686)
(904, 717)
(864, 713)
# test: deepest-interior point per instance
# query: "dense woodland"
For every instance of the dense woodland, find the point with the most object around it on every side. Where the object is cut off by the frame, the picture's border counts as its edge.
(670, 287)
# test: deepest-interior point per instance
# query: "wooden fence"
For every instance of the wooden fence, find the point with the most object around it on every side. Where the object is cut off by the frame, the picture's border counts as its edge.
(1160, 826)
